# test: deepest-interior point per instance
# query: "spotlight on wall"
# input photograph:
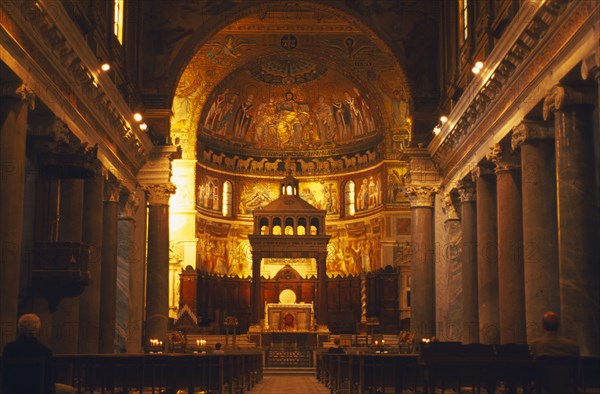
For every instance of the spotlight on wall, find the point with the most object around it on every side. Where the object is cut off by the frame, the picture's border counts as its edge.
(477, 67)
(137, 117)
(437, 129)
(105, 67)
(143, 126)
(443, 119)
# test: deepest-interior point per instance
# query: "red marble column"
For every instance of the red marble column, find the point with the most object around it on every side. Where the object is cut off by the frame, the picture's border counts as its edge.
(108, 280)
(256, 304)
(578, 246)
(13, 131)
(157, 285)
(322, 316)
(540, 257)
(89, 302)
(487, 256)
(511, 278)
(422, 321)
(468, 219)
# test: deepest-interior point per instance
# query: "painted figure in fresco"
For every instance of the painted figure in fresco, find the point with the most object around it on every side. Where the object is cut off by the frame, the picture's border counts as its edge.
(215, 111)
(353, 116)
(243, 118)
(265, 124)
(369, 123)
(373, 200)
(340, 120)
(291, 121)
(325, 121)
(227, 113)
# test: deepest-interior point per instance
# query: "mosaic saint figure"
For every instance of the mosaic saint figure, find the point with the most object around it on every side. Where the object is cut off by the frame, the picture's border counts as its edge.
(227, 113)
(325, 121)
(353, 116)
(369, 123)
(215, 111)
(243, 118)
(340, 120)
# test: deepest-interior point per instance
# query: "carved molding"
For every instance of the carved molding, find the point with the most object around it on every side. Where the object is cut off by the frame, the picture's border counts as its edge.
(503, 160)
(112, 189)
(421, 196)
(159, 194)
(467, 191)
(591, 65)
(529, 130)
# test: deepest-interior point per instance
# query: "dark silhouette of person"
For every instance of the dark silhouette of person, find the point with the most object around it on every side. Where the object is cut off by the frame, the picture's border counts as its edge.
(551, 343)
(218, 349)
(336, 346)
(557, 358)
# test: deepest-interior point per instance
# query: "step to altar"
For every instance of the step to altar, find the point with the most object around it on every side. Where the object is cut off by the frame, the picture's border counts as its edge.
(289, 371)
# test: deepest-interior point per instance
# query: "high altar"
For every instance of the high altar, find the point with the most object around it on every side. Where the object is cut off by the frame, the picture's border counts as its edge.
(287, 315)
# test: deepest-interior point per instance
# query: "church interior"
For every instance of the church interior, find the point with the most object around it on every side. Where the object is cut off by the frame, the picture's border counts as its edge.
(402, 177)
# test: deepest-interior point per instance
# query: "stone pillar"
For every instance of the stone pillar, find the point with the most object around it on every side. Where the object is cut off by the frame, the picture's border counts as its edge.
(157, 289)
(89, 302)
(13, 130)
(540, 253)
(468, 219)
(108, 280)
(138, 276)
(578, 246)
(125, 254)
(65, 321)
(511, 278)
(256, 304)
(323, 303)
(487, 256)
(422, 305)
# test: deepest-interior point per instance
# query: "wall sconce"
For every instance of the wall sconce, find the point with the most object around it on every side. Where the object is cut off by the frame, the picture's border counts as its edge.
(137, 117)
(477, 68)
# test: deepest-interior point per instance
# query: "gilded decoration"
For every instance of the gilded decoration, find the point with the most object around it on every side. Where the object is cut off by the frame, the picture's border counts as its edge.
(421, 196)
(503, 160)
(159, 194)
(208, 195)
(395, 183)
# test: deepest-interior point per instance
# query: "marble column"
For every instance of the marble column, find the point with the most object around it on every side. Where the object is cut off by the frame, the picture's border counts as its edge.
(323, 302)
(256, 304)
(65, 321)
(487, 255)
(89, 302)
(125, 257)
(468, 220)
(13, 130)
(578, 246)
(157, 289)
(108, 279)
(540, 253)
(138, 276)
(422, 305)
(511, 278)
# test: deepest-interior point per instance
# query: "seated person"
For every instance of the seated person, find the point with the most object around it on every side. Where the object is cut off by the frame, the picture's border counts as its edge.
(218, 349)
(551, 343)
(27, 363)
(336, 346)
(557, 356)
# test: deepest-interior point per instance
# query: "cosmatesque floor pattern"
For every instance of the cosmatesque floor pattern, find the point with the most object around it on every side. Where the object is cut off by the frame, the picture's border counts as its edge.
(289, 384)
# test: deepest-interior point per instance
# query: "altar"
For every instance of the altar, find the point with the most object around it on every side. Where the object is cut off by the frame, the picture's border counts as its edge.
(289, 317)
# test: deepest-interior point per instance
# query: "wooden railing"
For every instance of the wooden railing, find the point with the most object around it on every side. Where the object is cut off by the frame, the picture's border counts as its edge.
(161, 373)
(370, 372)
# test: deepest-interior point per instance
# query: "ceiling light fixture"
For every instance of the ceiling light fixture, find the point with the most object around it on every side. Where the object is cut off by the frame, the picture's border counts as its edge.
(443, 119)
(143, 126)
(105, 67)
(137, 117)
(477, 68)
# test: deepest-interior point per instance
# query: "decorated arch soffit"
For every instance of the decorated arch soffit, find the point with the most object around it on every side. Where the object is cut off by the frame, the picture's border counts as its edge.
(275, 83)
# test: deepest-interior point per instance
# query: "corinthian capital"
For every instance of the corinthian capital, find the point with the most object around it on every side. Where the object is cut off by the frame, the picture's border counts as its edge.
(25, 93)
(502, 159)
(467, 191)
(159, 194)
(112, 188)
(421, 196)
(529, 130)
(130, 206)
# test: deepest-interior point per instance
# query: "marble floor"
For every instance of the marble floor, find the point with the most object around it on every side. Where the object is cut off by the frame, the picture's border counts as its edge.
(289, 384)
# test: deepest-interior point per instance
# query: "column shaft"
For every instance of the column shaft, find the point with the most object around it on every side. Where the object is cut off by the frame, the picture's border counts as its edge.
(256, 304)
(13, 130)
(89, 302)
(323, 302)
(138, 271)
(539, 233)
(578, 246)
(108, 286)
(511, 279)
(65, 321)
(487, 259)
(422, 306)
(157, 290)
(468, 218)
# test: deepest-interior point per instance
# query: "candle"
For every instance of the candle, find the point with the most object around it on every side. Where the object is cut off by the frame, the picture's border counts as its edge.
(197, 342)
